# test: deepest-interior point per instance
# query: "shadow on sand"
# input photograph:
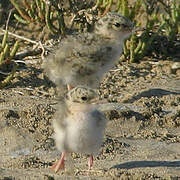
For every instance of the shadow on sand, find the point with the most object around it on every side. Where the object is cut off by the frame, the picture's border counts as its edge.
(142, 164)
(152, 92)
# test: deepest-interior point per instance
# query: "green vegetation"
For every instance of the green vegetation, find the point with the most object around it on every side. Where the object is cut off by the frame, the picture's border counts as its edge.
(171, 21)
(6, 55)
(137, 46)
(46, 13)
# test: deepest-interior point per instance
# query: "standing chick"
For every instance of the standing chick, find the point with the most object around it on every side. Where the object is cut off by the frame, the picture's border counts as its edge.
(83, 59)
(78, 125)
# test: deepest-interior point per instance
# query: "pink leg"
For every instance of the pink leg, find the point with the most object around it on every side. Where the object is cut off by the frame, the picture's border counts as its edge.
(69, 87)
(59, 164)
(90, 162)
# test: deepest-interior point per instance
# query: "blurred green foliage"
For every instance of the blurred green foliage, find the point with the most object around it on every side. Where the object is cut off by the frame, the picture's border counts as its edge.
(46, 13)
(137, 46)
(171, 21)
(6, 56)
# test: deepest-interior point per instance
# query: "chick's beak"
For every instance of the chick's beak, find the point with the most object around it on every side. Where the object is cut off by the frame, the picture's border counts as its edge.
(135, 29)
(97, 101)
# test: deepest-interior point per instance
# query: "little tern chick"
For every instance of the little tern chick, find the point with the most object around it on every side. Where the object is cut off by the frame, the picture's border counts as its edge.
(83, 59)
(78, 125)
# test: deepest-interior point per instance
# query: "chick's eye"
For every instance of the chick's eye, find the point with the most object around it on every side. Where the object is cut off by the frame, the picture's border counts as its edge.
(117, 24)
(84, 98)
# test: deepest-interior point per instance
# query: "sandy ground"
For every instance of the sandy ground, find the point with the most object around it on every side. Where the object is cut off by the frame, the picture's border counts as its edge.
(140, 143)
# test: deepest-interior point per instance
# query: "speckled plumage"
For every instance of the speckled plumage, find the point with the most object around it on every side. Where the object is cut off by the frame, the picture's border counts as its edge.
(78, 125)
(82, 59)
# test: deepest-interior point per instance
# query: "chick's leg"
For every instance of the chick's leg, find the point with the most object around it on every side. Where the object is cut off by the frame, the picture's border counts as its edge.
(90, 162)
(60, 163)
